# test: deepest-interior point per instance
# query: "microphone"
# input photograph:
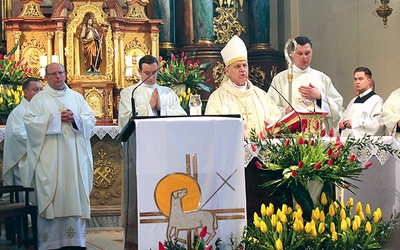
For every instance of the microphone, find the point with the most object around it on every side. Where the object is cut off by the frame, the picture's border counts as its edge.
(290, 105)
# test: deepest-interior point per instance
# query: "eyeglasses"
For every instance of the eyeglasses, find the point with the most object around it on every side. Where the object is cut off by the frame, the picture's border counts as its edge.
(56, 73)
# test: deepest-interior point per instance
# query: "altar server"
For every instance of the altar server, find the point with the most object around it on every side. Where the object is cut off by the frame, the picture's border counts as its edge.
(391, 113)
(238, 95)
(308, 85)
(363, 114)
(59, 123)
(15, 163)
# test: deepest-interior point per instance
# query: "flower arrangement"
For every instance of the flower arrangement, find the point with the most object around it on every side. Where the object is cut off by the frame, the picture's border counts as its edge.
(331, 227)
(12, 75)
(183, 75)
(198, 245)
(302, 159)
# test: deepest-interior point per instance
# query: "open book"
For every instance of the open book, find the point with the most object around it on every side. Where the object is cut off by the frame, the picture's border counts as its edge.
(292, 119)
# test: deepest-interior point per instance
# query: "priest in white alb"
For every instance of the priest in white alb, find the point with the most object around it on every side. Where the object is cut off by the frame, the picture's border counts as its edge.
(59, 123)
(238, 95)
(391, 113)
(364, 112)
(309, 87)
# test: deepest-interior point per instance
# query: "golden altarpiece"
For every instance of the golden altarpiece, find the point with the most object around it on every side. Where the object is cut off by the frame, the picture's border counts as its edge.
(63, 37)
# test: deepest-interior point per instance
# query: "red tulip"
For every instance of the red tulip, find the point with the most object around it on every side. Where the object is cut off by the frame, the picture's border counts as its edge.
(336, 155)
(209, 247)
(330, 151)
(253, 147)
(352, 158)
(301, 164)
(338, 147)
(318, 165)
(259, 165)
(173, 58)
(1, 56)
(294, 173)
(323, 132)
(305, 141)
(161, 246)
(262, 136)
(312, 143)
(331, 132)
(301, 141)
(303, 128)
(330, 162)
(287, 142)
(317, 125)
(203, 232)
(368, 164)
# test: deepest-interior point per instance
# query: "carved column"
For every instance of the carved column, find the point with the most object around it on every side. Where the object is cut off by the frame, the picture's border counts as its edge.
(203, 21)
(259, 22)
(117, 61)
(17, 36)
(49, 37)
(165, 10)
(60, 41)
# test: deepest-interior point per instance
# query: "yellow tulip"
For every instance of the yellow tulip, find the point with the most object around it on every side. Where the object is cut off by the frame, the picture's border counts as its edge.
(17, 100)
(341, 204)
(368, 227)
(282, 217)
(272, 209)
(188, 91)
(321, 228)
(357, 219)
(362, 217)
(274, 220)
(342, 214)
(180, 99)
(350, 202)
(1, 100)
(348, 221)
(358, 208)
(355, 226)
(377, 215)
(263, 210)
(19, 88)
(289, 210)
(343, 225)
(323, 199)
(314, 232)
(278, 244)
(253, 239)
(315, 213)
(322, 216)
(332, 210)
(299, 214)
(263, 227)
(8, 92)
(308, 227)
(256, 220)
(368, 210)
(284, 208)
(279, 227)
(332, 227)
(334, 236)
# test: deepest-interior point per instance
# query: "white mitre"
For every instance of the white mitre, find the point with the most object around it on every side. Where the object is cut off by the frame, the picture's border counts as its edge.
(235, 50)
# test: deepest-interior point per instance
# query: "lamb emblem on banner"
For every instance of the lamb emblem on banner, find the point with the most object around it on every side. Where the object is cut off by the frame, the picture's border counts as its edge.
(180, 220)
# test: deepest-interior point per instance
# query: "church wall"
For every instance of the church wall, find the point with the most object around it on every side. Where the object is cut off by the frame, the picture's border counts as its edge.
(345, 35)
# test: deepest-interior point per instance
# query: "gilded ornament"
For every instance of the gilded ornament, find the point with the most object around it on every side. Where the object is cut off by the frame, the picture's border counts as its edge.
(218, 73)
(226, 25)
(257, 76)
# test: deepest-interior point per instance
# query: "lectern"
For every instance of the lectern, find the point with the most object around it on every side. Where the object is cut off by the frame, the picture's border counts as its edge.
(185, 173)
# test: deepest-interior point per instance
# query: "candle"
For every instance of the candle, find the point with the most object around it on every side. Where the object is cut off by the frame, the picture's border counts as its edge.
(43, 61)
(54, 58)
(128, 61)
(128, 71)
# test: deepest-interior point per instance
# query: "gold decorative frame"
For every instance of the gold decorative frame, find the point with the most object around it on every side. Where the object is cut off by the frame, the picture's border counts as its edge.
(94, 97)
(135, 49)
(73, 46)
(226, 25)
(31, 52)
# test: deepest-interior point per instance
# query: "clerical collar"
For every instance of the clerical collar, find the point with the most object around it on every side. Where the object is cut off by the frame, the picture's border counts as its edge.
(149, 85)
(298, 70)
(364, 96)
(241, 87)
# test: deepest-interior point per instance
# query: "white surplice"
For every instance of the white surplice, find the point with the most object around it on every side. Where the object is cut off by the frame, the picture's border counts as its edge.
(61, 165)
(391, 113)
(331, 100)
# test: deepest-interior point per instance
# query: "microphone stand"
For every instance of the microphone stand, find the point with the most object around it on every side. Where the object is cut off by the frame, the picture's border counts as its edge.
(290, 105)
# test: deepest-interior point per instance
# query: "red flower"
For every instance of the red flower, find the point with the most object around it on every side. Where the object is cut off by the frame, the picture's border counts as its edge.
(318, 165)
(368, 164)
(331, 132)
(338, 147)
(330, 162)
(352, 158)
(173, 58)
(287, 142)
(203, 232)
(330, 151)
(209, 247)
(259, 165)
(262, 136)
(301, 164)
(161, 246)
(301, 141)
(336, 155)
(294, 173)
(323, 132)
(303, 128)
(317, 125)
(312, 143)
(253, 147)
